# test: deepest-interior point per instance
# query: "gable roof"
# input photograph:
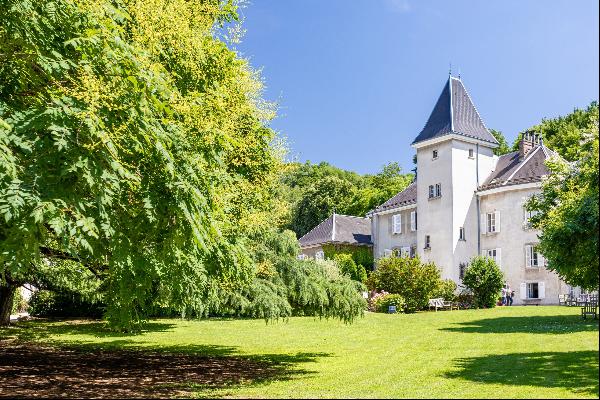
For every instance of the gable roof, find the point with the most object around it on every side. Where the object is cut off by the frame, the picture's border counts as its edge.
(513, 170)
(339, 229)
(405, 197)
(454, 113)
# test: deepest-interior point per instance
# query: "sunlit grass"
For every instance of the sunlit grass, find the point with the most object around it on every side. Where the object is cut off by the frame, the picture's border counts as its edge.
(520, 352)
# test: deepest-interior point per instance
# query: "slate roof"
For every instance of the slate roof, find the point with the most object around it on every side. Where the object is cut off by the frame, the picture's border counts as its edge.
(404, 198)
(511, 170)
(348, 230)
(454, 113)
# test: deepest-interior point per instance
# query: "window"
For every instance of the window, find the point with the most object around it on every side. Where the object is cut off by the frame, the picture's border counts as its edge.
(471, 155)
(397, 223)
(435, 154)
(533, 258)
(387, 253)
(494, 254)
(319, 255)
(462, 267)
(413, 221)
(527, 217)
(427, 242)
(413, 251)
(533, 290)
(405, 252)
(461, 233)
(435, 191)
(491, 222)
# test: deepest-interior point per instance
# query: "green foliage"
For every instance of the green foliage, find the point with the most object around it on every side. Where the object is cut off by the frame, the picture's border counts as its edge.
(485, 280)
(382, 303)
(315, 191)
(568, 215)
(503, 147)
(135, 144)
(19, 302)
(319, 201)
(44, 303)
(446, 289)
(565, 134)
(362, 255)
(408, 277)
(348, 267)
(285, 286)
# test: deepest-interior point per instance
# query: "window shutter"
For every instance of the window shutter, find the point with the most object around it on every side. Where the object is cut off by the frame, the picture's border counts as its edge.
(483, 224)
(541, 290)
(528, 255)
(387, 252)
(541, 260)
(497, 215)
(413, 221)
(405, 251)
(499, 257)
(397, 223)
(523, 290)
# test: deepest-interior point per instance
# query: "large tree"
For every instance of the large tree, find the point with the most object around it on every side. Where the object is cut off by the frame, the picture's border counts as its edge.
(134, 150)
(503, 145)
(568, 214)
(565, 133)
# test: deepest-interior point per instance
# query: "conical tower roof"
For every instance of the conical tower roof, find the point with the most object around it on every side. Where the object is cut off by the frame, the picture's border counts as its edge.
(454, 113)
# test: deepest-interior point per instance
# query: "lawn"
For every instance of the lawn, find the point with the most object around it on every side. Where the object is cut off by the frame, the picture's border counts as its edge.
(520, 352)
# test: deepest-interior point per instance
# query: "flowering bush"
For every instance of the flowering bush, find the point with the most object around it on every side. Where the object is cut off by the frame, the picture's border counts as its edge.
(380, 302)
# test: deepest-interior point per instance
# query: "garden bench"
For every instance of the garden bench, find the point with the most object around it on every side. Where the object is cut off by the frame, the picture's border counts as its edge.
(440, 303)
(590, 308)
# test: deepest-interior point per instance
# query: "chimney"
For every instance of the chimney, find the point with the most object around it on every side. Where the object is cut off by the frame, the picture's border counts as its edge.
(527, 143)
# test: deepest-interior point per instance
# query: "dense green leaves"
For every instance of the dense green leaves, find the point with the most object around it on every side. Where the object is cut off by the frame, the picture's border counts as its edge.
(564, 134)
(485, 281)
(568, 215)
(316, 191)
(409, 277)
(135, 145)
(503, 145)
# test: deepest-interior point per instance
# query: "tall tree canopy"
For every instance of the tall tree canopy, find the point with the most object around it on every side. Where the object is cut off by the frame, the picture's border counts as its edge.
(564, 134)
(315, 191)
(568, 214)
(503, 147)
(135, 153)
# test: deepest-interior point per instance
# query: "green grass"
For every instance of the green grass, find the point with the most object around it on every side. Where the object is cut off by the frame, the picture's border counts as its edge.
(520, 352)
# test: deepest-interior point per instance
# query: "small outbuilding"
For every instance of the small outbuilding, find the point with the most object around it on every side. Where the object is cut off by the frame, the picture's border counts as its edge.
(338, 229)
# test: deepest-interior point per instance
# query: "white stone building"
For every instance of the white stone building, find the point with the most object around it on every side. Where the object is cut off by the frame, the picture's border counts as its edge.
(467, 201)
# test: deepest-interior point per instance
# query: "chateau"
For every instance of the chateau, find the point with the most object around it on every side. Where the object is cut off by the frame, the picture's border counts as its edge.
(463, 202)
(467, 201)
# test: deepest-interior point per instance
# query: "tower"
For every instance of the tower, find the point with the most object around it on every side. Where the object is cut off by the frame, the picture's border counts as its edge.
(454, 156)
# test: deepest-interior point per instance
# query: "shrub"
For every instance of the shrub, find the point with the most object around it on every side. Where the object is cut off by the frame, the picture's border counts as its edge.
(348, 267)
(408, 277)
(446, 289)
(485, 280)
(381, 303)
(44, 303)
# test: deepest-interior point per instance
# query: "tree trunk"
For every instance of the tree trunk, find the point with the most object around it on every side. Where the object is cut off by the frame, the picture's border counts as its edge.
(7, 294)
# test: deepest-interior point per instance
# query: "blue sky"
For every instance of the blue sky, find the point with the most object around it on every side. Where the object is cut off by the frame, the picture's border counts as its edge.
(357, 79)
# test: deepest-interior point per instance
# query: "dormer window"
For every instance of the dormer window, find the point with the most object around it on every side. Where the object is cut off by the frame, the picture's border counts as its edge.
(435, 155)
(471, 153)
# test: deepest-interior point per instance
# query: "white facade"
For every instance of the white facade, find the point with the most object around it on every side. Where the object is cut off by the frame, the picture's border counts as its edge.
(458, 216)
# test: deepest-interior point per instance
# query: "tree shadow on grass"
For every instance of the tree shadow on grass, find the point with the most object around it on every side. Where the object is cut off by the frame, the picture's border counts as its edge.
(534, 324)
(122, 367)
(576, 371)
